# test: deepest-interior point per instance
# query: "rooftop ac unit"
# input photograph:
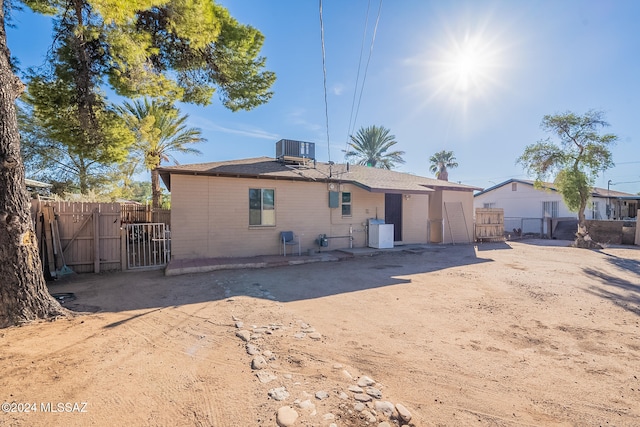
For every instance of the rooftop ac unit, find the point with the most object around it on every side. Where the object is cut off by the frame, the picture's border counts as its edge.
(290, 150)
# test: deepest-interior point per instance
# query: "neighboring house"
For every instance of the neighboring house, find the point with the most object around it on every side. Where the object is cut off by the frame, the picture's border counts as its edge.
(38, 189)
(33, 185)
(527, 208)
(622, 206)
(238, 208)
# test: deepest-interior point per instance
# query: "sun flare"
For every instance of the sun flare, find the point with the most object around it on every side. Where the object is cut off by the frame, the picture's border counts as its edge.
(466, 67)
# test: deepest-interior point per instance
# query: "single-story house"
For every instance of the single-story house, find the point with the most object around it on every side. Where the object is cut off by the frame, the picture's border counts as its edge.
(37, 189)
(32, 183)
(526, 207)
(239, 208)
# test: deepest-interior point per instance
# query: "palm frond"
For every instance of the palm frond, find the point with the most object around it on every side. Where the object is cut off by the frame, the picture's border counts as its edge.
(370, 147)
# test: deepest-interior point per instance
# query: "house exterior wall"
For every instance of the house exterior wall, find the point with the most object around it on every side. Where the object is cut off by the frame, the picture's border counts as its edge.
(638, 228)
(620, 209)
(596, 208)
(525, 202)
(210, 216)
(435, 217)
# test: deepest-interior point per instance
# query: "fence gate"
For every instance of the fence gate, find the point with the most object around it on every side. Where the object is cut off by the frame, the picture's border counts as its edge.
(148, 245)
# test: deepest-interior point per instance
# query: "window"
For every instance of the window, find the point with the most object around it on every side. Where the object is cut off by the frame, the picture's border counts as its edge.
(346, 204)
(550, 209)
(595, 210)
(489, 205)
(514, 186)
(262, 207)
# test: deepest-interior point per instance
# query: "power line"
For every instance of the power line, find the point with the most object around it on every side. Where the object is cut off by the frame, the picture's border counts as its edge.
(364, 78)
(627, 163)
(324, 73)
(627, 182)
(355, 89)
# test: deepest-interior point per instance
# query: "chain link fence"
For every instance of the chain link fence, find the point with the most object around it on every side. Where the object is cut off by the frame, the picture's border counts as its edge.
(517, 227)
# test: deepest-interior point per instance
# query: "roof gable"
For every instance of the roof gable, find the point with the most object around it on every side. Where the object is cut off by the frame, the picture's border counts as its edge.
(596, 191)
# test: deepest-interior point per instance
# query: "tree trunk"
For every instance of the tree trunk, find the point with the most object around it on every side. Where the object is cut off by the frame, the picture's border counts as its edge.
(23, 291)
(583, 239)
(83, 177)
(443, 175)
(156, 191)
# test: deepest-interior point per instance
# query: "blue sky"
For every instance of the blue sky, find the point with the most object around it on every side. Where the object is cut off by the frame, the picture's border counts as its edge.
(473, 77)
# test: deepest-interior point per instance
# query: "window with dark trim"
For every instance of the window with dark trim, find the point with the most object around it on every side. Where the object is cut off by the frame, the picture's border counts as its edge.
(262, 206)
(346, 204)
(550, 209)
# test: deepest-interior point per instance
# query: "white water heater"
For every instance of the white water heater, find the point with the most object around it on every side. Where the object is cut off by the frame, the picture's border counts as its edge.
(380, 234)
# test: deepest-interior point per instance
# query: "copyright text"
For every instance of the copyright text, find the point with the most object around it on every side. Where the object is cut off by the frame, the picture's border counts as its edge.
(53, 407)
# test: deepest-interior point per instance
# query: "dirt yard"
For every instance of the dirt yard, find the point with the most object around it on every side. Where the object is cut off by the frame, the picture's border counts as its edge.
(503, 334)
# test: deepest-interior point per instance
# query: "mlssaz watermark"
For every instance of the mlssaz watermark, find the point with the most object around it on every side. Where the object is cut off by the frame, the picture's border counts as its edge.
(52, 407)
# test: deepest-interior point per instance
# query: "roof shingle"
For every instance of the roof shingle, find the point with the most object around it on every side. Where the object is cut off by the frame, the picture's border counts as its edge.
(371, 179)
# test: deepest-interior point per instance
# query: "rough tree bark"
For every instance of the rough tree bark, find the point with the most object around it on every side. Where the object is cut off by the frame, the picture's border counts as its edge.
(156, 191)
(23, 291)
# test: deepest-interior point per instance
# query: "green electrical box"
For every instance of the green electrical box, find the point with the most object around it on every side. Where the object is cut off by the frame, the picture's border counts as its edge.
(334, 199)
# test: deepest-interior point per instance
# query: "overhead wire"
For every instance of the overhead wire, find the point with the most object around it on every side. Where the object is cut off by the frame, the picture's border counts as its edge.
(324, 73)
(366, 68)
(355, 88)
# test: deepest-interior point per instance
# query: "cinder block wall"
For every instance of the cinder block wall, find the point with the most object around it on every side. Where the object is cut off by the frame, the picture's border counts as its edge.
(612, 232)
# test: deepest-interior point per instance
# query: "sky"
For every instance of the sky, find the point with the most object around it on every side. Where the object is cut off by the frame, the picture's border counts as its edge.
(473, 77)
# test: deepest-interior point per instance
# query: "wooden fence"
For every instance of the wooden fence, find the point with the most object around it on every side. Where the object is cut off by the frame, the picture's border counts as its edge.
(137, 214)
(489, 224)
(89, 237)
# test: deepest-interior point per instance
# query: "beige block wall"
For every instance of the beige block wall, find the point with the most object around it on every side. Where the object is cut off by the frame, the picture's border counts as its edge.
(435, 217)
(189, 216)
(210, 216)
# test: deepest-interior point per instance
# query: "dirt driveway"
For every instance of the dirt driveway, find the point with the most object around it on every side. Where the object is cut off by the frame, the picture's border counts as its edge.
(502, 334)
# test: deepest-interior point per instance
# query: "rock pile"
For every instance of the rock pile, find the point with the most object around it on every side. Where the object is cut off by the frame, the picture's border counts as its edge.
(351, 401)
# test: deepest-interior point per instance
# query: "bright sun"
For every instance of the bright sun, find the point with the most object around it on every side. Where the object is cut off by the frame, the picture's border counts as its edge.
(462, 63)
(466, 67)
(464, 70)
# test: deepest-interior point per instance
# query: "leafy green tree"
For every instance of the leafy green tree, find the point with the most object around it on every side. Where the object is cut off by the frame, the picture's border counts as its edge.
(80, 168)
(370, 147)
(160, 131)
(140, 191)
(122, 185)
(58, 116)
(441, 162)
(183, 50)
(580, 154)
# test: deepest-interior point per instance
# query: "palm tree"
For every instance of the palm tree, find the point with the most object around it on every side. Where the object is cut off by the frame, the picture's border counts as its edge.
(369, 147)
(442, 161)
(160, 130)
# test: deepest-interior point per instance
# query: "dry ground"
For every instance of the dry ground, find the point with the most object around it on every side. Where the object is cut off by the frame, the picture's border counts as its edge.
(512, 334)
